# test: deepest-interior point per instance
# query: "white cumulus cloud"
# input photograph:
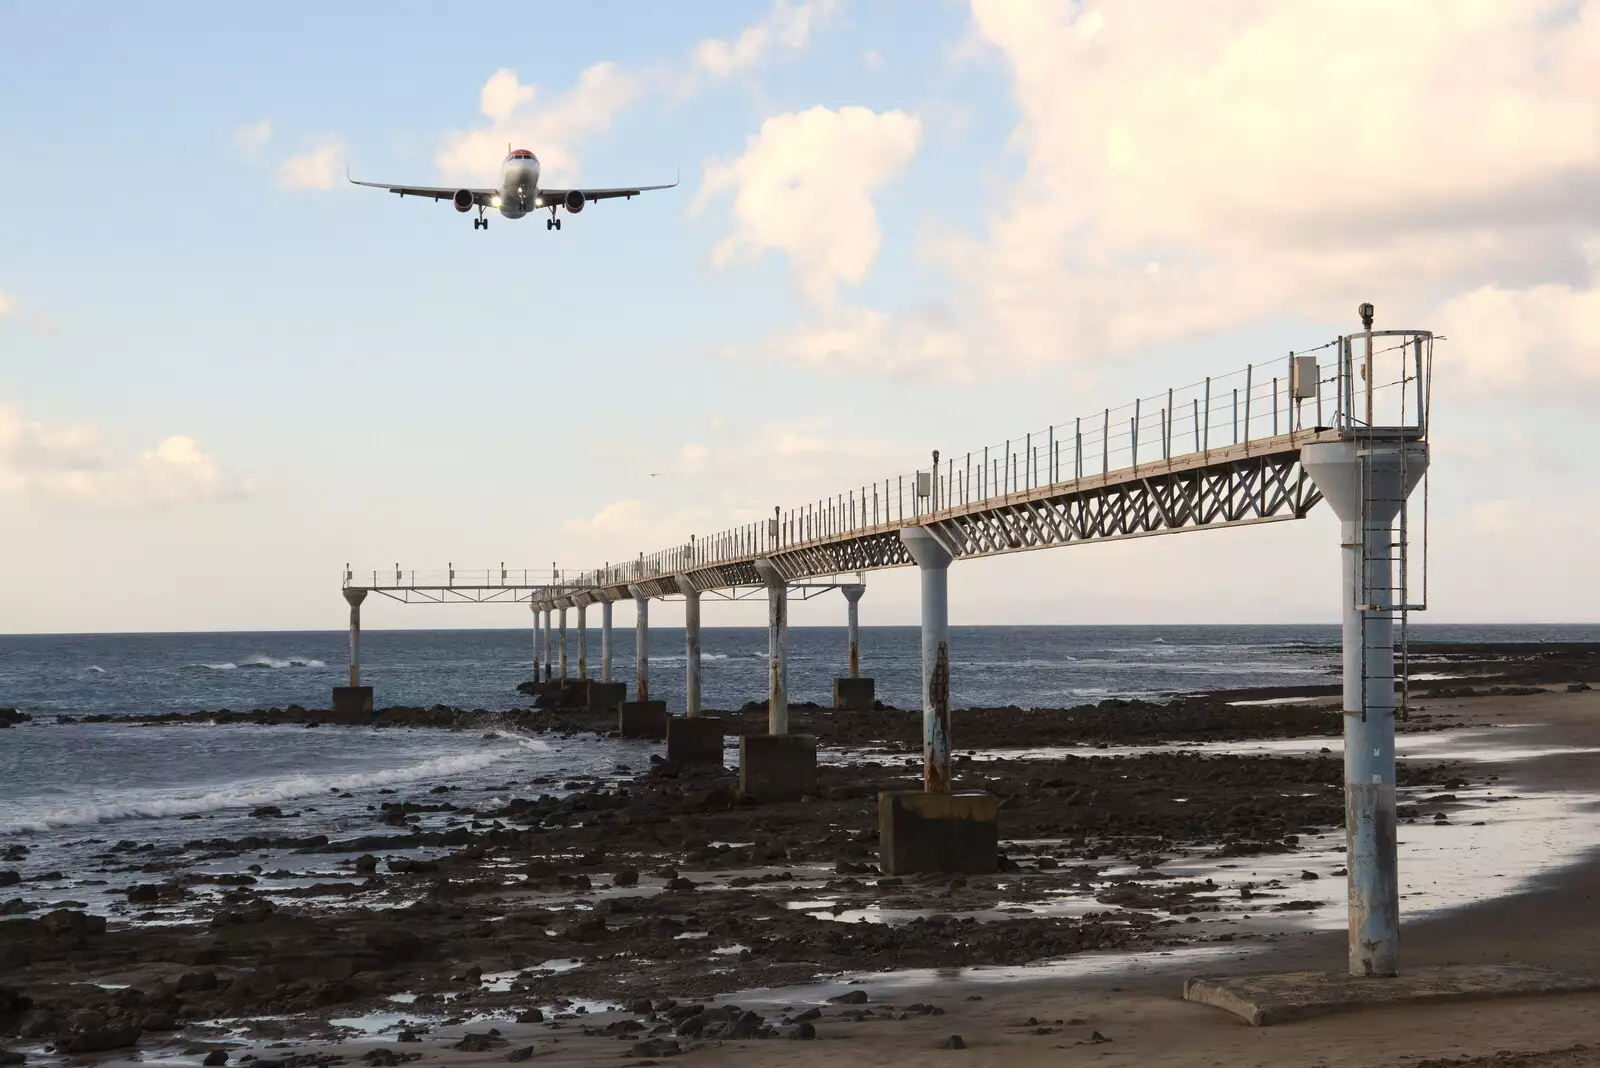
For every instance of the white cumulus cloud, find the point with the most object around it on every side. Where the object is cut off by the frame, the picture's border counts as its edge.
(75, 465)
(1438, 157)
(319, 167)
(804, 187)
(554, 125)
(788, 27)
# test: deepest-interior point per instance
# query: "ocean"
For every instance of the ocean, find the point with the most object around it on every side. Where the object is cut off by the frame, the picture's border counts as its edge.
(68, 791)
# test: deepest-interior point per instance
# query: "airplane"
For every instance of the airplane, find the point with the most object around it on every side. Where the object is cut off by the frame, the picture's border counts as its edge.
(518, 193)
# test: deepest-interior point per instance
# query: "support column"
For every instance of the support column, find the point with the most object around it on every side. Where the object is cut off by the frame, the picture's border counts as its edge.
(933, 567)
(641, 645)
(1366, 483)
(691, 649)
(853, 692)
(563, 639)
(583, 641)
(605, 641)
(777, 766)
(354, 699)
(549, 648)
(535, 609)
(777, 657)
(935, 830)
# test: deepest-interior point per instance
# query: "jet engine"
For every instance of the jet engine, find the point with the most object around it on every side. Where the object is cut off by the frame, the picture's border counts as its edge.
(462, 200)
(574, 202)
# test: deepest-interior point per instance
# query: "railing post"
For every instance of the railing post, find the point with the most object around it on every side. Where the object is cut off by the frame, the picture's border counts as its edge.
(1249, 376)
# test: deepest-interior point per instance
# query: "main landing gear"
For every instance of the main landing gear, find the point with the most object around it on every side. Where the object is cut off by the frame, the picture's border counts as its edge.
(552, 223)
(480, 223)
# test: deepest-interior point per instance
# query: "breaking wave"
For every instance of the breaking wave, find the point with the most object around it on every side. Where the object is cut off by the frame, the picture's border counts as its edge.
(261, 662)
(251, 794)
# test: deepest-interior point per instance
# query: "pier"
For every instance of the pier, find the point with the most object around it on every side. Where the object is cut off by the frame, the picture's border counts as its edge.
(1345, 422)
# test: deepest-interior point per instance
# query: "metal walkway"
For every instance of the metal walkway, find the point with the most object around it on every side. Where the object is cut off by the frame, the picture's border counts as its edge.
(1222, 452)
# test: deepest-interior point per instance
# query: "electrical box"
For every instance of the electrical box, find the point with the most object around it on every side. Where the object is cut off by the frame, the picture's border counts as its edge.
(1305, 377)
(772, 529)
(924, 483)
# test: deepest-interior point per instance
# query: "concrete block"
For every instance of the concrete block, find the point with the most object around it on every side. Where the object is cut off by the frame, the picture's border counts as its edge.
(352, 700)
(1270, 999)
(694, 741)
(642, 719)
(606, 696)
(922, 832)
(777, 767)
(854, 695)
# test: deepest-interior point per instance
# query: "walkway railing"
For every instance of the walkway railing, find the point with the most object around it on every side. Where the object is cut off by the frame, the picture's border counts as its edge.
(1263, 408)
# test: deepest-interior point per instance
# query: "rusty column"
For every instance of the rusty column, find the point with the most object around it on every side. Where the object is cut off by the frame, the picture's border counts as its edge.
(354, 598)
(933, 565)
(583, 641)
(777, 647)
(562, 635)
(549, 647)
(691, 647)
(853, 594)
(641, 644)
(605, 639)
(535, 609)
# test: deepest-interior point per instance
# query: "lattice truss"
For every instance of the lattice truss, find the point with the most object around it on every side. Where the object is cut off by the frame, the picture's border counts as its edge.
(1255, 490)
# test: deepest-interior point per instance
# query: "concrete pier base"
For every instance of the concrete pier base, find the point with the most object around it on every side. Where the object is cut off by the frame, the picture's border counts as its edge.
(352, 700)
(854, 695)
(694, 741)
(642, 719)
(927, 832)
(606, 696)
(777, 767)
(1270, 999)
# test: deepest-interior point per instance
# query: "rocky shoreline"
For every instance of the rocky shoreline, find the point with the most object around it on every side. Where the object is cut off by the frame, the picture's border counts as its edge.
(651, 889)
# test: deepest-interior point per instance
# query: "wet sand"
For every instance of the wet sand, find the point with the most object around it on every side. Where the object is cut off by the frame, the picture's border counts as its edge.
(662, 888)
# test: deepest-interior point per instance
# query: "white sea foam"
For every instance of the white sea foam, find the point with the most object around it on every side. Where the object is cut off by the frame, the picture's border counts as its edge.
(250, 794)
(262, 661)
(95, 669)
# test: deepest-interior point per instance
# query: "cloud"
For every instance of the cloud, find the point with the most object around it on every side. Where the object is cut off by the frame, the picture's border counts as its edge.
(253, 138)
(1282, 160)
(850, 339)
(319, 167)
(554, 125)
(788, 26)
(75, 465)
(804, 187)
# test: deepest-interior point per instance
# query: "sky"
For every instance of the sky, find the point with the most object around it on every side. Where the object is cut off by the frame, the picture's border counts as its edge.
(225, 372)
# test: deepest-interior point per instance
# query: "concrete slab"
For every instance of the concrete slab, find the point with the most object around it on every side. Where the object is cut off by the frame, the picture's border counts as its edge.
(854, 695)
(606, 696)
(694, 741)
(1268, 999)
(921, 832)
(777, 767)
(352, 700)
(642, 719)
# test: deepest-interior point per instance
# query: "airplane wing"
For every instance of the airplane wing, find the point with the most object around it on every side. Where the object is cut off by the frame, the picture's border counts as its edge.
(480, 197)
(553, 196)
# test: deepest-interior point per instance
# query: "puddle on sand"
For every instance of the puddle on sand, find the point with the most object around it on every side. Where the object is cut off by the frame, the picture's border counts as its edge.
(376, 1023)
(881, 986)
(1486, 849)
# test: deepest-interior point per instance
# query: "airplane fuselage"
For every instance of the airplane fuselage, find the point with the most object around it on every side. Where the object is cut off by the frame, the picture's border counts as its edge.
(519, 186)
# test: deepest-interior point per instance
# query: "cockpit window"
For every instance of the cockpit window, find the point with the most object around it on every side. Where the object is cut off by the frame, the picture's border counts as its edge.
(521, 153)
